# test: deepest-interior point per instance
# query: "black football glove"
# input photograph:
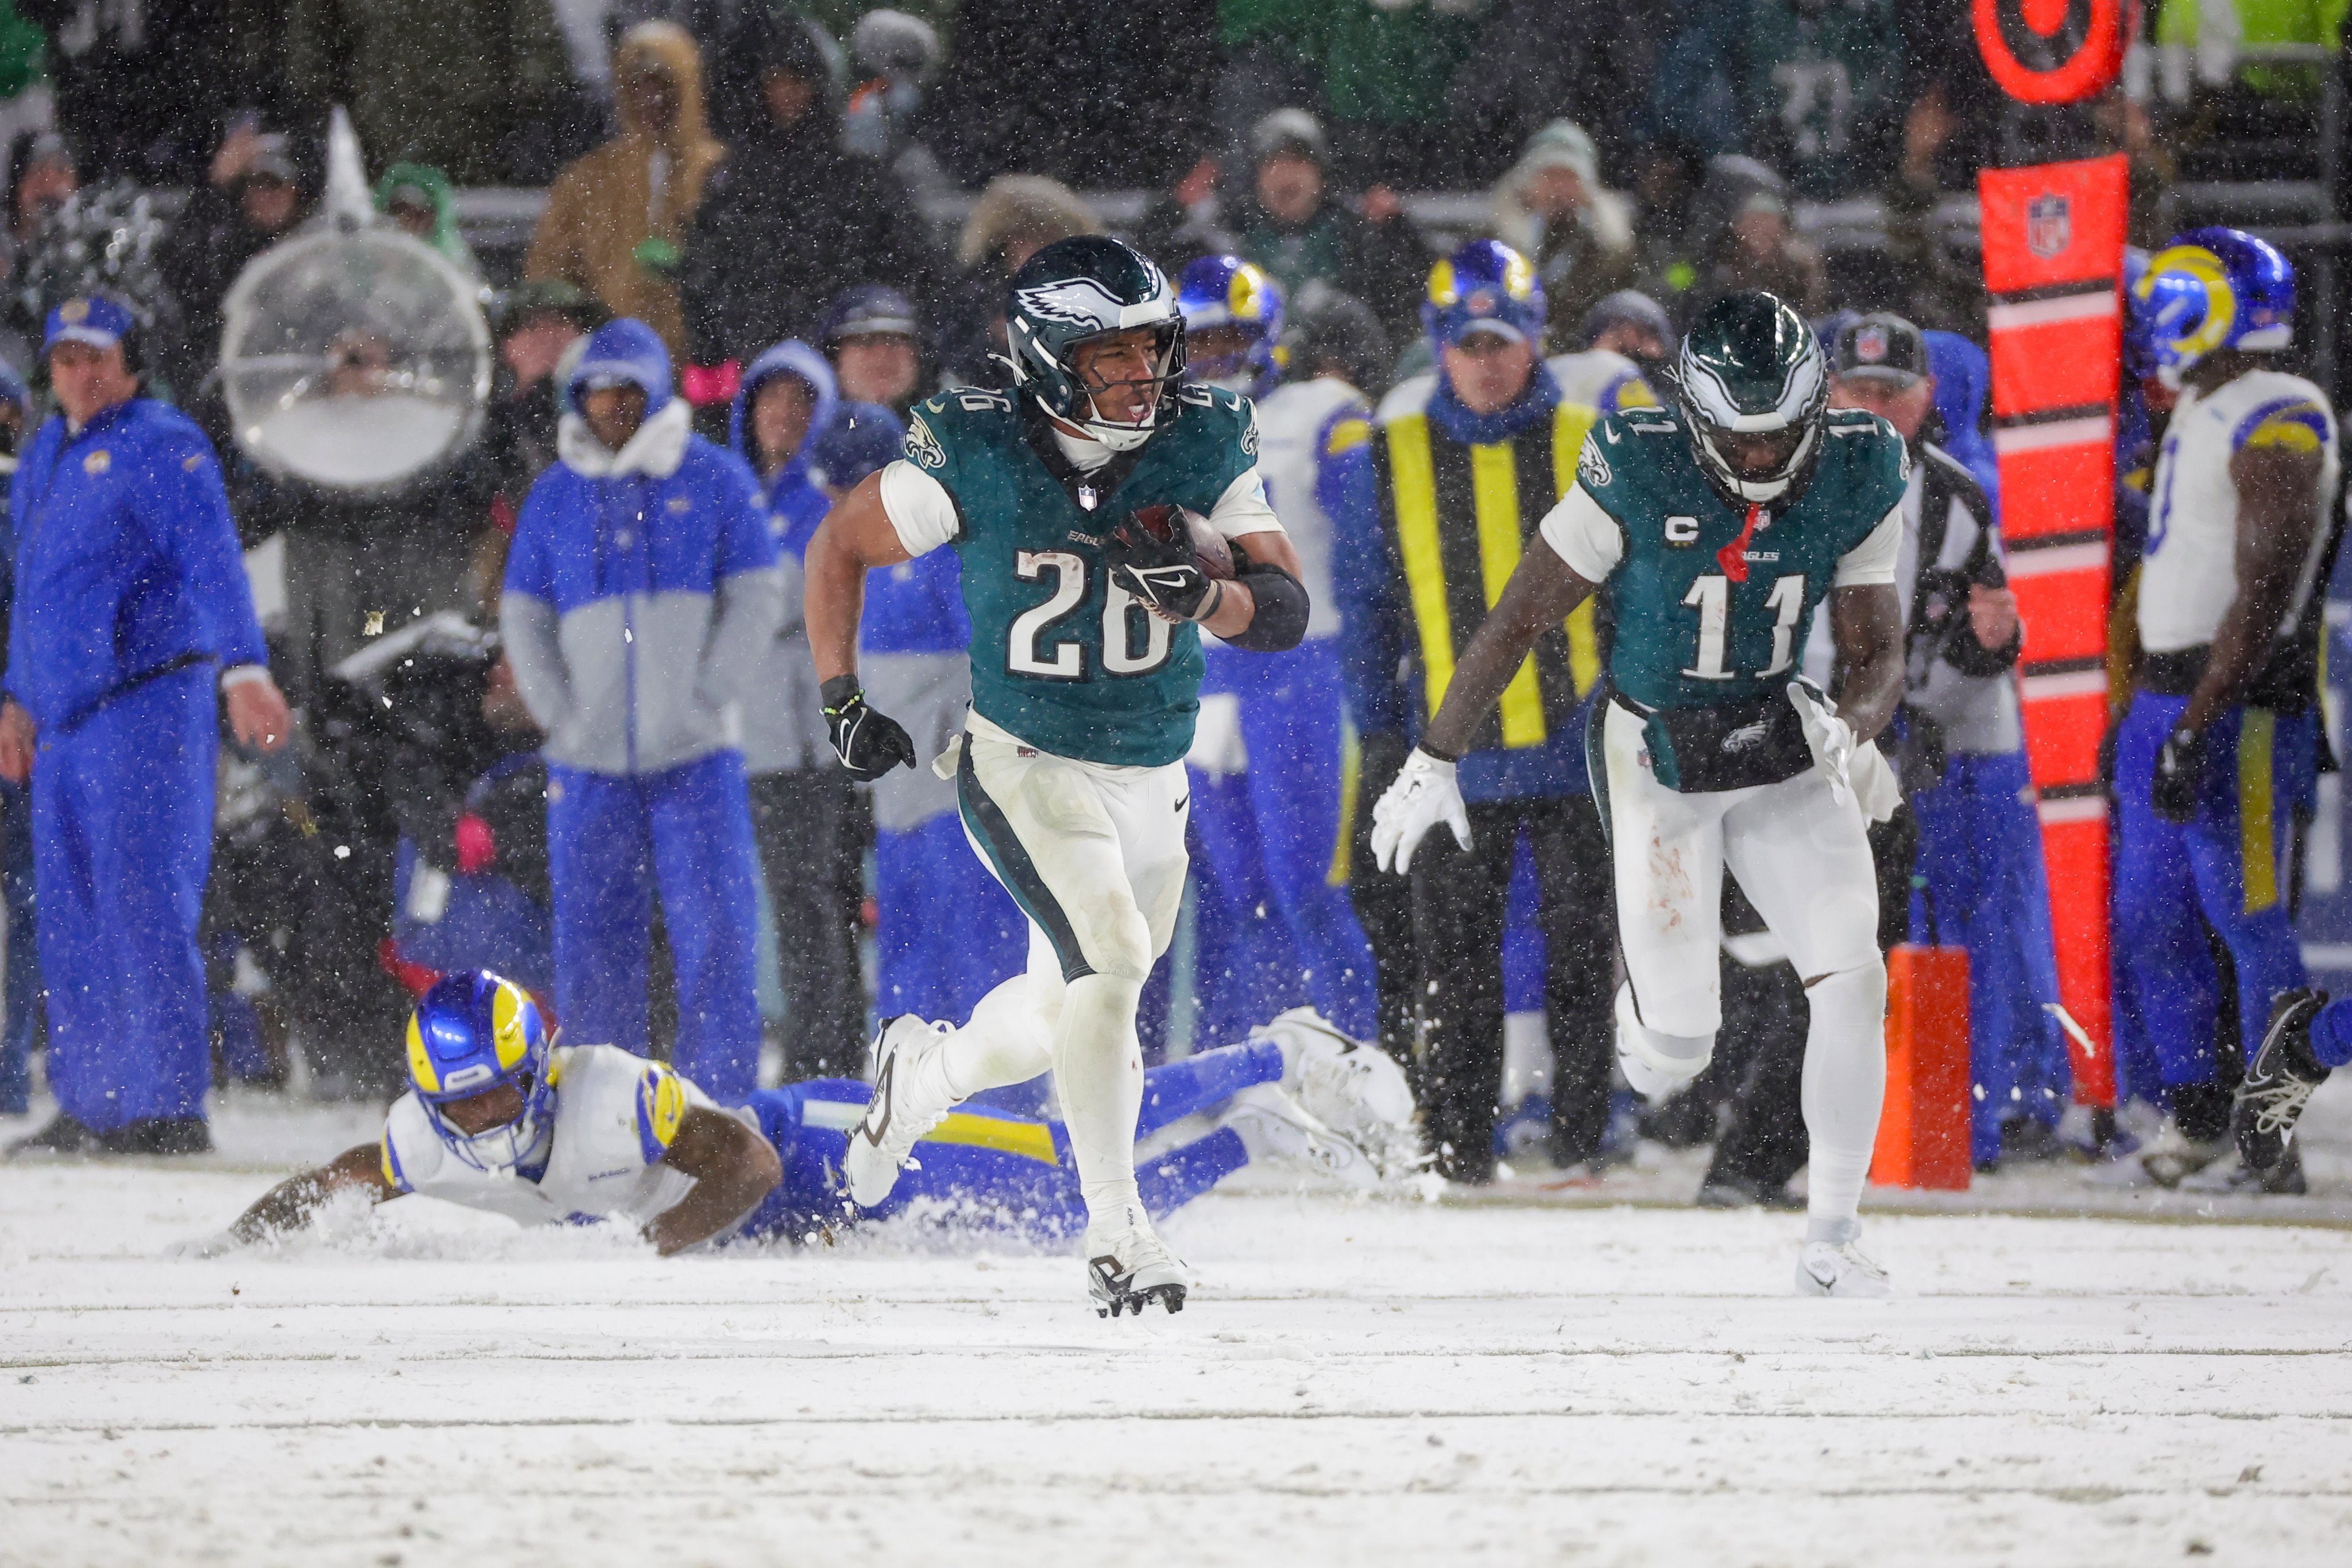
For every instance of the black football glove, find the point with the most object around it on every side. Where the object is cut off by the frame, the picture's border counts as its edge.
(869, 744)
(1161, 573)
(2179, 767)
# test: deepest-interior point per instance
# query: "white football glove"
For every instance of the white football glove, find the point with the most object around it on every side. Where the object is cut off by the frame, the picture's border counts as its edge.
(1830, 737)
(1423, 795)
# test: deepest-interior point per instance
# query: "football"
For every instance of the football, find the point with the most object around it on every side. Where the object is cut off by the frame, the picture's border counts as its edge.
(1170, 524)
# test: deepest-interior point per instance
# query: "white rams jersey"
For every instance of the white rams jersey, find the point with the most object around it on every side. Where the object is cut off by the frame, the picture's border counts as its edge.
(2192, 571)
(1600, 379)
(1300, 423)
(614, 1117)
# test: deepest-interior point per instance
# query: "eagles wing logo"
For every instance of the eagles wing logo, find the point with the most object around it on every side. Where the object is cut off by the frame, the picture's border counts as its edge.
(1073, 301)
(1592, 467)
(1249, 436)
(923, 448)
(1745, 737)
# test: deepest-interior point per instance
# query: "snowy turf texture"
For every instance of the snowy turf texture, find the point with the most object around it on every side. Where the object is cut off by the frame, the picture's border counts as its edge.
(1356, 1381)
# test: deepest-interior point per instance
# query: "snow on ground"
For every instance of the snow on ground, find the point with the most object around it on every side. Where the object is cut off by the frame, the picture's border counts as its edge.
(1536, 1378)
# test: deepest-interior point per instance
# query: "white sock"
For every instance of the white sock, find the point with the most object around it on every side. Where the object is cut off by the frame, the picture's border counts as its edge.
(1098, 1071)
(1008, 1041)
(1845, 1084)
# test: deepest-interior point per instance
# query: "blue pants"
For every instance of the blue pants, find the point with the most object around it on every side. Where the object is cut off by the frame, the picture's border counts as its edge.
(2228, 864)
(21, 999)
(1268, 837)
(945, 930)
(609, 841)
(122, 840)
(1981, 886)
(992, 1170)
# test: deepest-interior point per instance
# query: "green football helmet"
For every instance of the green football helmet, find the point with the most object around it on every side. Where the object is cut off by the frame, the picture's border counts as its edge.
(1078, 289)
(1752, 376)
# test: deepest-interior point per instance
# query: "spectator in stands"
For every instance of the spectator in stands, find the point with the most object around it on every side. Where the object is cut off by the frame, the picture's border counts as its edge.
(1743, 226)
(806, 816)
(1292, 225)
(1631, 323)
(1937, 285)
(1667, 177)
(870, 331)
(615, 218)
(142, 89)
(790, 219)
(1820, 86)
(419, 197)
(1340, 337)
(1386, 71)
(42, 174)
(1593, 65)
(1016, 216)
(1552, 208)
(640, 592)
(253, 198)
(542, 328)
(481, 89)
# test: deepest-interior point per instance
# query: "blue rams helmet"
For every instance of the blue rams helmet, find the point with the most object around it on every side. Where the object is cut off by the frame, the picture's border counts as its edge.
(472, 1032)
(1219, 292)
(2210, 289)
(1484, 287)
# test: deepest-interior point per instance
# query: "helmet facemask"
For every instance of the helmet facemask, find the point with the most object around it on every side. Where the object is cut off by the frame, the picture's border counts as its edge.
(1722, 400)
(508, 1144)
(1165, 360)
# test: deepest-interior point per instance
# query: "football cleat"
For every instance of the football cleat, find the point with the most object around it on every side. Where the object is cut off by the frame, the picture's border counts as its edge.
(2277, 1088)
(64, 1138)
(2168, 1158)
(2236, 1176)
(1839, 1269)
(909, 1099)
(1348, 1085)
(1273, 1126)
(1128, 1267)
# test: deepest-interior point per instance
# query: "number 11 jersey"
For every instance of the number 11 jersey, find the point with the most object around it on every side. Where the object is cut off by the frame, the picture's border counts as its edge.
(1061, 657)
(1712, 603)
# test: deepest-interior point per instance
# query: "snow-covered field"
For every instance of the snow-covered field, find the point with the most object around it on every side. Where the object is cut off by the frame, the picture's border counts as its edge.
(1541, 1377)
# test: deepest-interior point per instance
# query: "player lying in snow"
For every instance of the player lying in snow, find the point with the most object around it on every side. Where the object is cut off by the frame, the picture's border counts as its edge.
(500, 1118)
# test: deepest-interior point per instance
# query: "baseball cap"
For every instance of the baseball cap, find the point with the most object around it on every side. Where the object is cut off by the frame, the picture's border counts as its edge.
(869, 309)
(1880, 345)
(93, 318)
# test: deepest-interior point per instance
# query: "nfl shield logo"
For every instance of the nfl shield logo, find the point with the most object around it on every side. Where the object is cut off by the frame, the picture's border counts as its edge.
(2049, 224)
(1870, 345)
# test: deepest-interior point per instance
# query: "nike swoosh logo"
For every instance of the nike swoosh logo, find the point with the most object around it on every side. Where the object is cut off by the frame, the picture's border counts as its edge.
(1609, 435)
(877, 1108)
(1184, 802)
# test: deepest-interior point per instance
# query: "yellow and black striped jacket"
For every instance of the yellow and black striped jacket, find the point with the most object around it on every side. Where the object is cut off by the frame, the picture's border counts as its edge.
(1455, 517)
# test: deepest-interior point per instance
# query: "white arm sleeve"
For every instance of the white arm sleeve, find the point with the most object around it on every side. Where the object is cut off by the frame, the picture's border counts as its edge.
(1584, 536)
(920, 508)
(1243, 509)
(1872, 561)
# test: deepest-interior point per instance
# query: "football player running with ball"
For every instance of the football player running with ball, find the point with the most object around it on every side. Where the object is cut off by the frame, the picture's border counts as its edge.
(1715, 527)
(1086, 669)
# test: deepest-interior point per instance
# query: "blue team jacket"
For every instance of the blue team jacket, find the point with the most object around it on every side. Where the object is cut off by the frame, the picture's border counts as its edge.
(127, 560)
(642, 584)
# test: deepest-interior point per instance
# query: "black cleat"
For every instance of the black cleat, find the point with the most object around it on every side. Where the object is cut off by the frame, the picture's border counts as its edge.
(2271, 1098)
(63, 1138)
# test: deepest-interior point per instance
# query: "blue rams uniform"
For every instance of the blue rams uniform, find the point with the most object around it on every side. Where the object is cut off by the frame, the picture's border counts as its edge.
(131, 596)
(1268, 754)
(641, 587)
(614, 1115)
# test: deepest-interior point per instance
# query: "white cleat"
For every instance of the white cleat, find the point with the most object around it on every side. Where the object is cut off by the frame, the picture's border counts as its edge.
(1275, 1127)
(1839, 1269)
(908, 1100)
(1128, 1267)
(1349, 1086)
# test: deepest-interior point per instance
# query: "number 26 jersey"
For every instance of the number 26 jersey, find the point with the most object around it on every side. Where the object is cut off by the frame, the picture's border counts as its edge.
(1709, 610)
(1063, 658)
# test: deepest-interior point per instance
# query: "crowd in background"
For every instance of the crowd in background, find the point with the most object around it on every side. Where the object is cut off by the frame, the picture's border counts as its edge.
(752, 182)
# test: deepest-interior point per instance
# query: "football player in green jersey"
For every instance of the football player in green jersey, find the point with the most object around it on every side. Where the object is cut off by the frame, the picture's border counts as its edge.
(1715, 527)
(1086, 674)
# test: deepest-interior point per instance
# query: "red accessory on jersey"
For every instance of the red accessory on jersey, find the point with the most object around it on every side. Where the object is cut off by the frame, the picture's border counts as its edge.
(1733, 557)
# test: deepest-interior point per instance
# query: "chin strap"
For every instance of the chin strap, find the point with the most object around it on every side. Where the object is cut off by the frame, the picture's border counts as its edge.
(1733, 557)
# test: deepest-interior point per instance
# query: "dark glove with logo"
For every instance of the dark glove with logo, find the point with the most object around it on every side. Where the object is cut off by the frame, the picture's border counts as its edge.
(2179, 767)
(869, 744)
(1163, 573)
